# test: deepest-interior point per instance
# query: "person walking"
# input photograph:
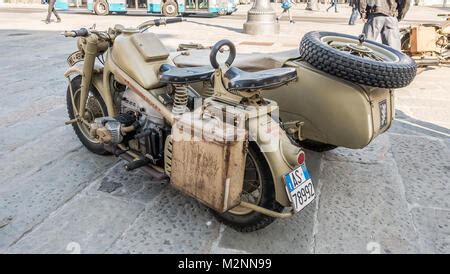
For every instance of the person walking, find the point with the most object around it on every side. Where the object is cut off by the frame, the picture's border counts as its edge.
(381, 18)
(51, 9)
(355, 11)
(333, 4)
(286, 6)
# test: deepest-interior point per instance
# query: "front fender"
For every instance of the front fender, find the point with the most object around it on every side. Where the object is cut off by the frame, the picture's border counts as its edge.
(97, 82)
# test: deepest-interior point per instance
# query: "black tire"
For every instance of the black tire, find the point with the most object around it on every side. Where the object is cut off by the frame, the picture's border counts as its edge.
(396, 74)
(253, 221)
(96, 148)
(101, 8)
(316, 146)
(170, 8)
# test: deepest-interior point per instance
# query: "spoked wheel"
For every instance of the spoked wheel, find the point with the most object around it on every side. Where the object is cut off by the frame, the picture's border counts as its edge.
(170, 8)
(357, 60)
(95, 108)
(363, 50)
(251, 192)
(258, 189)
(101, 8)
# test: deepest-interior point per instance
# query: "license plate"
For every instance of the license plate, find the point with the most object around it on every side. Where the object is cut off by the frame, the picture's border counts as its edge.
(299, 187)
(75, 57)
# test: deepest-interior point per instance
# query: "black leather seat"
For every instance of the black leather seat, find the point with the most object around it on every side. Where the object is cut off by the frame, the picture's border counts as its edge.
(173, 75)
(264, 79)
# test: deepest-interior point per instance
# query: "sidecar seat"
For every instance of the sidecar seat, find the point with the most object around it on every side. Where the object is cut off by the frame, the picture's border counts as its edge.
(173, 75)
(237, 79)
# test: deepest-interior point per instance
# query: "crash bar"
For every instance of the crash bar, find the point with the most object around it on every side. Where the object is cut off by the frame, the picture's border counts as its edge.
(266, 211)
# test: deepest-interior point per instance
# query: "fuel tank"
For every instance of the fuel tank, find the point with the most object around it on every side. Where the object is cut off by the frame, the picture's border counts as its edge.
(140, 55)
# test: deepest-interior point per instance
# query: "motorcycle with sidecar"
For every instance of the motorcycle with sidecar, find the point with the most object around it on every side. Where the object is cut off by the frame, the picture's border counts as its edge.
(214, 130)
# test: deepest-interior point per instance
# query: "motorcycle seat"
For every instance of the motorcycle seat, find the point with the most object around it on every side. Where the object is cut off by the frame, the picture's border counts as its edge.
(174, 75)
(264, 79)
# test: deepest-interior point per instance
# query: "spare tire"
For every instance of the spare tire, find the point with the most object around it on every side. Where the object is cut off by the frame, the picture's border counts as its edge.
(357, 60)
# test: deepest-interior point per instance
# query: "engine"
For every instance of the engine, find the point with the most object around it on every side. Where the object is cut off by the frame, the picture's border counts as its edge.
(137, 127)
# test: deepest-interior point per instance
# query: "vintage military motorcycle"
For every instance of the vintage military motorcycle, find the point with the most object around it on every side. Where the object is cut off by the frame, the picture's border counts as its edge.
(125, 97)
(214, 129)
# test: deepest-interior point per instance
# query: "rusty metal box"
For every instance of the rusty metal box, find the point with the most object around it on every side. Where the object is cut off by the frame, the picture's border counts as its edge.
(208, 161)
(423, 39)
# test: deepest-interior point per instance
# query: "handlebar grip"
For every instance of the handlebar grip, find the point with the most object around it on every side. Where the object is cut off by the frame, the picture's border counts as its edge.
(75, 33)
(174, 20)
(215, 49)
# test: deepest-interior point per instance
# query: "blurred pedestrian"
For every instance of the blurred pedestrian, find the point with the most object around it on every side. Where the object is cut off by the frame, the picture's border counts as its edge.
(355, 11)
(381, 18)
(286, 6)
(51, 9)
(333, 4)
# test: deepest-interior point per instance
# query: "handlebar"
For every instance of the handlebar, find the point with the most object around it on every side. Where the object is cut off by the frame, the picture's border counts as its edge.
(83, 32)
(159, 22)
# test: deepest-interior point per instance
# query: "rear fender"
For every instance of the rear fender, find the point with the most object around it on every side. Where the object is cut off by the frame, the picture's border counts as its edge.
(280, 153)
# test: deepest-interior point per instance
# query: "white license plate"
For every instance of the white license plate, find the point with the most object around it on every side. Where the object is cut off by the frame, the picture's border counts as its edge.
(299, 187)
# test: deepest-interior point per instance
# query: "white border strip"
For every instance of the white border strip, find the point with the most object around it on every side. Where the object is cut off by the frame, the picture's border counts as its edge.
(422, 127)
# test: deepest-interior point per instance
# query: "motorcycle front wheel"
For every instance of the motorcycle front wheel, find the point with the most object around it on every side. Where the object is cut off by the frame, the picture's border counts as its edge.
(95, 108)
(258, 189)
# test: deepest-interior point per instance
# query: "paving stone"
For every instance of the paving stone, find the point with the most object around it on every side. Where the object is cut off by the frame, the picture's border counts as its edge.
(134, 185)
(88, 224)
(172, 223)
(433, 227)
(424, 165)
(363, 204)
(374, 153)
(28, 130)
(30, 200)
(41, 152)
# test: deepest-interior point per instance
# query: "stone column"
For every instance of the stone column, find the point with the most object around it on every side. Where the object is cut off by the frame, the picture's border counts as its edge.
(261, 19)
(312, 5)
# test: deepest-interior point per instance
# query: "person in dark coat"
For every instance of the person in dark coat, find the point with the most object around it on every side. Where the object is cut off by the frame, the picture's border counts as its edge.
(355, 11)
(381, 18)
(51, 9)
(333, 4)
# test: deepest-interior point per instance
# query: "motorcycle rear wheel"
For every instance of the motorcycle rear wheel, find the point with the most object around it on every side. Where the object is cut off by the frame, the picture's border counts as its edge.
(95, 108)
(257, 180)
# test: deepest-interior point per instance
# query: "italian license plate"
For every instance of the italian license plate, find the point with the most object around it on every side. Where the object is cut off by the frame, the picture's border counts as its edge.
(299, 187)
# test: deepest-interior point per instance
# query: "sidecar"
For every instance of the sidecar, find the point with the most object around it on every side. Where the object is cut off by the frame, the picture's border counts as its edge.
(344, 95)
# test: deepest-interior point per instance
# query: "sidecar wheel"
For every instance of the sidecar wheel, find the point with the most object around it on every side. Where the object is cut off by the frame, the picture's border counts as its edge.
(371, 63)
(258, 180)
(95, 107)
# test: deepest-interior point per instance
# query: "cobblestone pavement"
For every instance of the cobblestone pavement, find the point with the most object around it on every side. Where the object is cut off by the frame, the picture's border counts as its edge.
(56, 197)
